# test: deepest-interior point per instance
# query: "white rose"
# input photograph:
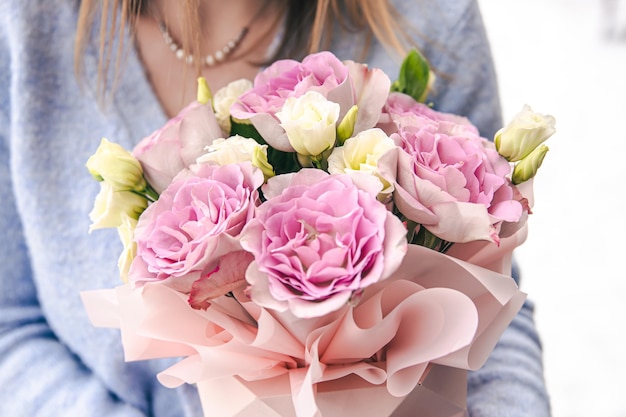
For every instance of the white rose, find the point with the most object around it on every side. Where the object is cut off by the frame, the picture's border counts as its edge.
(310, 123)
(225, 97)
(114, 164)
(523, 134)
(237, 149)
(111, 205)
(361, 154)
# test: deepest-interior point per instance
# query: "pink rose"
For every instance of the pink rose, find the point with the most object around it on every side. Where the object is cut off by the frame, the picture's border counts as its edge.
(346, 83)
(403, 110)
(175, 146)
(448, 178)
(311, 253)
(196, 221)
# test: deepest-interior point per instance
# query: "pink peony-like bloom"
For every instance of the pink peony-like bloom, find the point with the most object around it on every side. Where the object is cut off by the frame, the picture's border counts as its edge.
(346, 83)
(196, 221)
(176, 145)
(403, 110)
(447, 177)
(317, 240)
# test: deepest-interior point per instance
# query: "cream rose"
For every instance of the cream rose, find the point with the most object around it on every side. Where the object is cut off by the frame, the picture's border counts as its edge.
(237, 149)
(310, 123)
(361, 154)
(523, 134)
(112, 205)
(224, 99)
(118, 167)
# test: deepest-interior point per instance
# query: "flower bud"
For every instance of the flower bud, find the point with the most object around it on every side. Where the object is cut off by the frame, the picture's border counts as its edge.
(112, 205)
(310, 123)
(527, 167)
(523, 134)
(346, 127)
(115, 165)
(259, 160)
(203, 95)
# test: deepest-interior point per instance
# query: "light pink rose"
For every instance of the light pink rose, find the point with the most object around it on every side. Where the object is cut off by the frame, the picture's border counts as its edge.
(448, 178)
(196, 221)
(316, 241)
(403, 110)
(176, 145)
(346, 83)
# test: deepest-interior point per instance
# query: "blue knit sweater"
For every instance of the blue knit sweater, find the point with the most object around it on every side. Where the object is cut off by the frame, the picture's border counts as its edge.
(53, 362)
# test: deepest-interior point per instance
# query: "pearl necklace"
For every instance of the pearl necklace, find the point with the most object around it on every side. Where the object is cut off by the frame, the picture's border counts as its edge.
(209, 60)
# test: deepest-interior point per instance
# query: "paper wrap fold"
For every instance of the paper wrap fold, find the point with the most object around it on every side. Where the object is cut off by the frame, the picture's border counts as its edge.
(437, 315)
(441, 394)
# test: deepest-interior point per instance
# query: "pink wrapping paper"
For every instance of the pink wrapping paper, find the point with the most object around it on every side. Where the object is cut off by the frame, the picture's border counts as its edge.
(441, 394)
(435, 313)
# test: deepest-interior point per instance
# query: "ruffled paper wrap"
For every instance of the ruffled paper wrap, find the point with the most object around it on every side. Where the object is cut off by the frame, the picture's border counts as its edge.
(402, 350)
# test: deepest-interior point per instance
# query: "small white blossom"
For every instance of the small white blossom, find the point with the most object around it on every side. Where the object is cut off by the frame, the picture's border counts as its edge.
(310, 123)
(237, 149)
(225, 97)
(361, 154)
(115, 165)
(523, 134)
(111, 205)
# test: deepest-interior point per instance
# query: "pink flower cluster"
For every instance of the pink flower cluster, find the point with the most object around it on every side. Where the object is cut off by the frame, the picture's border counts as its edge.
(346, 83)
(447, 177)
(310, 241)
(338, 234)
(311, 253)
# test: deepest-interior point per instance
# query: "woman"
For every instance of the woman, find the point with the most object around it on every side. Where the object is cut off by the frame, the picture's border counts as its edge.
(52, 360)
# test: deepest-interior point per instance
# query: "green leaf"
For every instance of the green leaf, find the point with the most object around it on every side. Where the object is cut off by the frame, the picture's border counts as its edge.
(247, 130)
(414, 77)
(283, 162)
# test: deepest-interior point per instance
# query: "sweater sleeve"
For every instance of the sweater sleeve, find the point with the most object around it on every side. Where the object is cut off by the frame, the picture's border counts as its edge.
(39, 374)
(511, 383)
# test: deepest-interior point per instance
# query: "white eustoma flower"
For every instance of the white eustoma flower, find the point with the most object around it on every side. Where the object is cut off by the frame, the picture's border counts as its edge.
(111, 205)
(361, 154)
(528, 166)
(115, 165)
(126, 232)
(237, 149)
(225, 97)
(310, 123)
(523, 134)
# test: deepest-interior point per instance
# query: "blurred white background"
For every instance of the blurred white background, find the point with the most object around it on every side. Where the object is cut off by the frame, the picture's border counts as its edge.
(568, 58)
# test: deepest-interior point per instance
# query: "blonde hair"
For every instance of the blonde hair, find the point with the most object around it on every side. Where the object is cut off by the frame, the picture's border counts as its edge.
(309, 28)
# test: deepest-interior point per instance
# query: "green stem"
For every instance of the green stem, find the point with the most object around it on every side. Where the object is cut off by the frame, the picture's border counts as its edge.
(148, 193)
(412, 227)
(320, 162)
(151, 193)
(430, 241)
(425, 238)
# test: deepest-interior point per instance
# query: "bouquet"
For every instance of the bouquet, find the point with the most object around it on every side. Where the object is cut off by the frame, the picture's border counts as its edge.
(318, 240)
